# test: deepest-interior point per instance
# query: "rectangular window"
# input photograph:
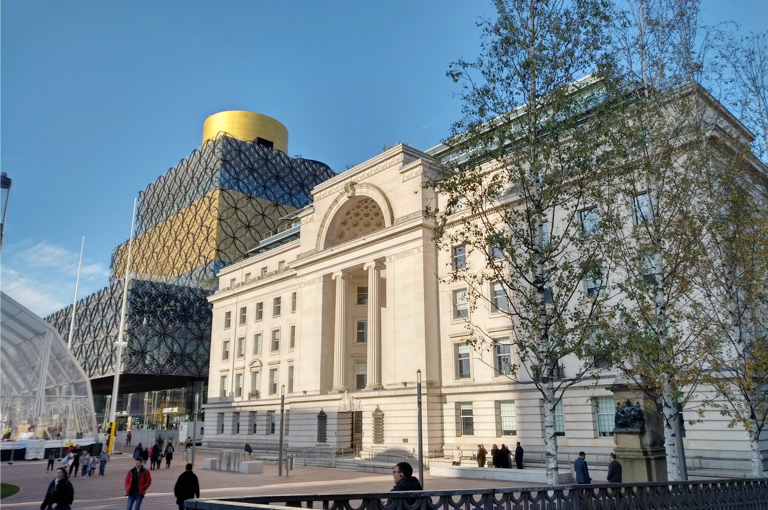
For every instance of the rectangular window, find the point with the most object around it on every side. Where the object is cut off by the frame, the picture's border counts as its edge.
(466, 419)
(642, 208)
(273, 381)
(559, 419)
(232, 283)
(362, 295)
(263, 272)
(223, 386)
(506, 418)
(259, 311)
(243, 315)
(281, 266)
(236, 422)
(227, 320)
(276, 306)
(462, 361)
(247, 277)
(238, 385)
(225, 350)
(545, 233)
(293, 302)
(460, 305)
(241, 347)
(605, 412)
(275, 340)
(257, 343)
(271, 420)
(254, 417)
(255, 385)
(499, 298)
(292, 342)
(502, 351)
(220, 423)
(494, 247)
(290, 378)
(593, 280)
(458, 257)
(361, 331)
(590, 222)
(361, 375)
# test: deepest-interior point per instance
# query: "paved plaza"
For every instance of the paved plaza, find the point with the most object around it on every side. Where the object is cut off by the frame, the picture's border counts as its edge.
(107, 492)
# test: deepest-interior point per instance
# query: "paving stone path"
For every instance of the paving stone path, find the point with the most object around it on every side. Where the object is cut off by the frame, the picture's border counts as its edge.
(108, 492)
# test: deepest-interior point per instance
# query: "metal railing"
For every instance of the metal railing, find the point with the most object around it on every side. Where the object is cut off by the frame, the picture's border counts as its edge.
(699, 495)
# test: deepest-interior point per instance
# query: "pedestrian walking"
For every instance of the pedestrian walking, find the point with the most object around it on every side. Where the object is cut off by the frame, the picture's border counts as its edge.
(103, 459)
(495, 456)
(137, 481)
(128, 437)
(519, 456)
(504, 457)
(144, 457)
(481, 453)
(51, 460)
(60, 493)
(92, 468)
(74, 459)
(614, 470)
(85, 460)
(168, 454)
(581, 469)
(187, 487)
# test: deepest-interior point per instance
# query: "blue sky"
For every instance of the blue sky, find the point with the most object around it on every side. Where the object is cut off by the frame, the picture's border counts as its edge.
(100, 98)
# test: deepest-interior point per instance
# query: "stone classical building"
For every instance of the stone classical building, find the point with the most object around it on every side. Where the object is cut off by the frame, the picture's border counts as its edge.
(344, 307)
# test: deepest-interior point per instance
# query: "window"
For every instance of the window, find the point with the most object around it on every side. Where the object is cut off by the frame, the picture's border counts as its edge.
(223, 386)
(236, 422)
(459, 257)
(499, 299)
(238, 385)
(292, 342)
(590, 221)
(502, 353)
(494, 247)
(259, 311)
(460, 305)
(263, 272)
(275, 340)
(293, 302)
(465, 425)
(271, 422)
(247, 277)
(506, 418)
(281, 266)
(593, 280)
(254, 417)
(225, 350)
(545, 233)
(361, 375)
(220, 423)
(243, 314)
(276, 306)
(227, 320)
(241, 347)
(649, 268)
(273, 381)
(232, 283)
(255, 385)
(361, 331)
(362, 295)
(642, 208)
(559, 419)
(605, 412)
(290, 378)
(257, 343)
(462, 361)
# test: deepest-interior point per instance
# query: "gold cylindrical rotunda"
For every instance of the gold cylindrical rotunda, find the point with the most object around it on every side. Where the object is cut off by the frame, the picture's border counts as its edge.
(248, 126)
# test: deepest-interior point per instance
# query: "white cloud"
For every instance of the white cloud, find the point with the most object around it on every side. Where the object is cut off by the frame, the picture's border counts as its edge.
(46, 256)
(42, 299)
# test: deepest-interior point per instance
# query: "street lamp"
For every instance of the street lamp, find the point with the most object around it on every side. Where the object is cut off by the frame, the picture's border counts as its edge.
(421, 444)
(5, 194)
(194, 427)
(282, 420)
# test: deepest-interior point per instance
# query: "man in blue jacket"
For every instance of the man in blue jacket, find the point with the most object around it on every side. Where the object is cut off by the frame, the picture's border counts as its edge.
(404, 479)
(581, 469)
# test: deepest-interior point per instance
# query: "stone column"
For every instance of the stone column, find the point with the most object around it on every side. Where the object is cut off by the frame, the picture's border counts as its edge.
(374, 326)
(340, 333)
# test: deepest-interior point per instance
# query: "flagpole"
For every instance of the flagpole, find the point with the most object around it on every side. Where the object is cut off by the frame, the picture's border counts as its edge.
(74, 303)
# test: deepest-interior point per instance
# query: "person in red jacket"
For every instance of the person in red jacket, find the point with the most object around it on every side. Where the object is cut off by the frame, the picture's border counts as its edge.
(137, 481)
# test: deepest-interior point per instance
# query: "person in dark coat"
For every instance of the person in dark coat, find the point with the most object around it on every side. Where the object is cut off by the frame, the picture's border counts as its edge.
(144, 457)
(60, 493)
(481, 453)
(168, 454)
(581, 469)
(404, 479)
(51, 459)
(519, 456)
(504, 457)
(614, 470)
(187, 487)
(495, 456)
(74, 463)
(248, 449)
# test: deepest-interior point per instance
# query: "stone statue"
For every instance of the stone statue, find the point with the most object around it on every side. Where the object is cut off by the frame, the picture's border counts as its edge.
(629, 417)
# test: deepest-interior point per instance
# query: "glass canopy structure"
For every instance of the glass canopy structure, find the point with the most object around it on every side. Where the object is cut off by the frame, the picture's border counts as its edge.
(45, 394)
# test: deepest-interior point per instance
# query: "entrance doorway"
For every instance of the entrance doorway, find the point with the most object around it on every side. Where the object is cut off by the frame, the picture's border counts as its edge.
(357, 431)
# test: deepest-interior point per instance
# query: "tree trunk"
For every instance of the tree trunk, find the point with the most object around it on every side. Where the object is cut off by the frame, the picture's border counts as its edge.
(550, 439)
(754, 446)
(669, 410)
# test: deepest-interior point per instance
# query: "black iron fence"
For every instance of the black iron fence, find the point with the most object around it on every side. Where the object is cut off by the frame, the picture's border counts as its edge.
(698, 495)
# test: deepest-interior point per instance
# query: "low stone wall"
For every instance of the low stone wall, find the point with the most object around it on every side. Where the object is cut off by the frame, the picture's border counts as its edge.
(533, 475)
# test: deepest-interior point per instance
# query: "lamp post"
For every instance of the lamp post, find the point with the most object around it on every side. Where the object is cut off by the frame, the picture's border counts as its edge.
(282, 416)
(194, 427)
(421, 443)
(5, 194)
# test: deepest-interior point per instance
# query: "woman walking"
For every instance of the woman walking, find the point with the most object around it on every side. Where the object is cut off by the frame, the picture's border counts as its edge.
(168, 454)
